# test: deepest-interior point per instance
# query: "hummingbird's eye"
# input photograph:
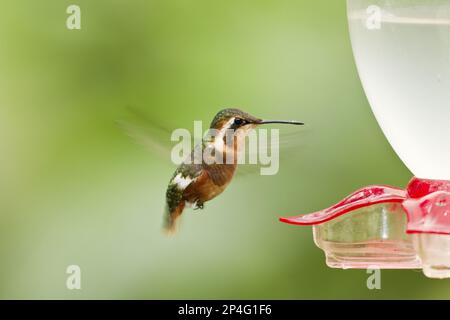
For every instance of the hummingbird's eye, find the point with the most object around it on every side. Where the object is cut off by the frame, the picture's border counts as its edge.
(238, 121)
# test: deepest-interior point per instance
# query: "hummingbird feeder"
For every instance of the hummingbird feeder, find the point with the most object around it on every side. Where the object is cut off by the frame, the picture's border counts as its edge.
(401, 49)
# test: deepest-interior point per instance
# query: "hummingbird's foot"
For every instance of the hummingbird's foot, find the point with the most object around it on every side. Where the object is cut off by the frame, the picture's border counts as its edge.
(199, 205)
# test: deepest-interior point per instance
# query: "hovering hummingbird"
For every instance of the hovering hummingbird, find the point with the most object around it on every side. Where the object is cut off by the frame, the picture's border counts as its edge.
(195, 183)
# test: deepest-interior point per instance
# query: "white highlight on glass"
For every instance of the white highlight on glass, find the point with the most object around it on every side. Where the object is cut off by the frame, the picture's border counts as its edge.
(405, 71)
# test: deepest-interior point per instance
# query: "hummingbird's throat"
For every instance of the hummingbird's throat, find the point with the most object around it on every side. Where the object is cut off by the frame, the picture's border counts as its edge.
(228, 144)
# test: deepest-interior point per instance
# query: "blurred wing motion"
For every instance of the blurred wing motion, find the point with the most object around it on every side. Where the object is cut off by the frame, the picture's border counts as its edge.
(291, 141)
(155, 137)
(146, 132)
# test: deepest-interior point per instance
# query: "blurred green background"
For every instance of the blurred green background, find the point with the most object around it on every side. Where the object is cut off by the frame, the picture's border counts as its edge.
(74, 189)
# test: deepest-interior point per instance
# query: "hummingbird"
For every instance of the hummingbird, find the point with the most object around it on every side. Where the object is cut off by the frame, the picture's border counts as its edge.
(196, 182)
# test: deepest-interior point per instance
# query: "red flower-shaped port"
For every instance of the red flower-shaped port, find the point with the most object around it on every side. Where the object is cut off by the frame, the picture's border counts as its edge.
(426, 204)
(359, 199)
(429, 214)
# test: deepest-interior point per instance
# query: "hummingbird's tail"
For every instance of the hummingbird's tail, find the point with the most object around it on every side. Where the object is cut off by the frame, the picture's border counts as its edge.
(171, 217)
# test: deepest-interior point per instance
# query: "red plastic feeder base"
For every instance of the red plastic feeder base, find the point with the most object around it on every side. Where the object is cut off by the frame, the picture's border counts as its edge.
(387, 228)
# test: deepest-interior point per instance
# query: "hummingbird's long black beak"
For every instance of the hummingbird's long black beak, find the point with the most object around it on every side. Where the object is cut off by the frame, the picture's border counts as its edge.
(297, 123)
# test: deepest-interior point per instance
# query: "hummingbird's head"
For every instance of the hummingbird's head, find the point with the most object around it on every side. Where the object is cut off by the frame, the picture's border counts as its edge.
(239, 123)
(236, 119)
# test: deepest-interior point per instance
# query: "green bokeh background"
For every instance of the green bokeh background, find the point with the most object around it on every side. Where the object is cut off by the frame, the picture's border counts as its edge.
(74, 189)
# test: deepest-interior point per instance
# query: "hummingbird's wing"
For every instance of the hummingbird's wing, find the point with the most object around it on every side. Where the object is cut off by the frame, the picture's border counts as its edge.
(155, 137)
(288, 147)
(146, 132)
